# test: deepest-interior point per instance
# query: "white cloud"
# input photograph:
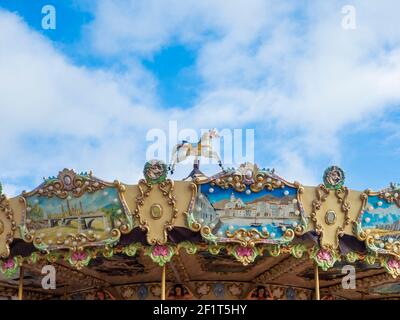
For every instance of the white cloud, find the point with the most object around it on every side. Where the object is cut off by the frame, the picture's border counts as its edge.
(57, 115)
(144, 26)
(287, 69)
(261, 47)
(291, 166)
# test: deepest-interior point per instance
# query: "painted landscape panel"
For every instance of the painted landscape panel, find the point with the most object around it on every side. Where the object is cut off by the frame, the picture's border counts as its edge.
(381, 217)
(97, 212)
(273, 211)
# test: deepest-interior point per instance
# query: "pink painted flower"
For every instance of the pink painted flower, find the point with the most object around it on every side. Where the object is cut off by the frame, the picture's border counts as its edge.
(324, 255)
(160, 251)
(79, 256)
(9, 264)
(244, 252)
(393, 264)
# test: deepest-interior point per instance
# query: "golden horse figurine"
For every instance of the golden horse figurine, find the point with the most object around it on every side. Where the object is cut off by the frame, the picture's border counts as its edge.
(202, 148)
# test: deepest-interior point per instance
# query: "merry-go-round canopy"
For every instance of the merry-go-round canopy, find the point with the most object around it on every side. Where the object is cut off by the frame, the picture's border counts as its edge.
(244, 233)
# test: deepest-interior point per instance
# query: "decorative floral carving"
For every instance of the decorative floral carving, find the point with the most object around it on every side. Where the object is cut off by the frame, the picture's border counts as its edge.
(274, 250)
(298, 250)
(54, 256)
(79, 259)
(160, 254)
(392, 266)
(10, 266)
(235, 290)
(370, 259)
(207, 234)
(352, 257)
(155, 171)
(128, 292)
(155, 290)
(334, 178)
(131, 249)
(250, 237)
(325, 258)
(189, 247)
(214, 249)
(245, 255)
(202, 289)
(248, 175)
(68, 181)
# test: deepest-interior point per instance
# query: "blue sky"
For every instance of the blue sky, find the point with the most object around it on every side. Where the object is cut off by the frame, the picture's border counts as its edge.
(85, 95)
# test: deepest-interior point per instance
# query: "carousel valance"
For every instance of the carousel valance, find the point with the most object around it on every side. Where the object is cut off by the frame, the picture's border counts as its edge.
(248, 212)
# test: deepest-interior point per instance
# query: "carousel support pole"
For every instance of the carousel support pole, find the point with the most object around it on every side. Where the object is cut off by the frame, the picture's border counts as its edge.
(163, 283)
(65, 291)
(317, 296)
(21, 283)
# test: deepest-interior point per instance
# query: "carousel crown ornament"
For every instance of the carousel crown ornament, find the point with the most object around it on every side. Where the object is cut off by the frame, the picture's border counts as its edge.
(334, 177)
(155, 171)
(202, 148)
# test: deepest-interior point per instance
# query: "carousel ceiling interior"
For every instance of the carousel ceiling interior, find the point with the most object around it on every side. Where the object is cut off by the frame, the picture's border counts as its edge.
(243, 233)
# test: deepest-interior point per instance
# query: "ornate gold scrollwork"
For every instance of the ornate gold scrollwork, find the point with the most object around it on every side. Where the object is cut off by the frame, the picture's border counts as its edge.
(9, 214)
(342, 195)
(330, 216)
(362, 234)
(68, 181)
(301, 228)
(167, 189)
(193, 224)
(392, 196)
(247, 238)
(140, 199)
(249, 174)
(322, 194)
(250, 237)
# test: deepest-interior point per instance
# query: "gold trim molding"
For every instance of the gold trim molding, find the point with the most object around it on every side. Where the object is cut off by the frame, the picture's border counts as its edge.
(328, 201)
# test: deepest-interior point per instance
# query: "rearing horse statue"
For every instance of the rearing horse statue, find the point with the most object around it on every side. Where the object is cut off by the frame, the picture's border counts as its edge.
(202, 148)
